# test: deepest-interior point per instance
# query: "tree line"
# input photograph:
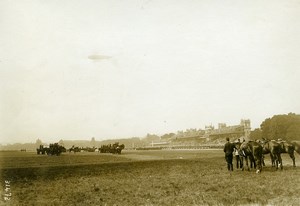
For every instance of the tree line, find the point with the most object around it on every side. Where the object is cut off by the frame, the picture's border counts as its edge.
(283, 126)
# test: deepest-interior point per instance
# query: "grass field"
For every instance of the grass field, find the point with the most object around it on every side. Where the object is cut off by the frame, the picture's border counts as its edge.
(168, 177)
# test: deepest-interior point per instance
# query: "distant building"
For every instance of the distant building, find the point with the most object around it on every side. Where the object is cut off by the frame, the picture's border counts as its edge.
(233, 132)
(209, 129)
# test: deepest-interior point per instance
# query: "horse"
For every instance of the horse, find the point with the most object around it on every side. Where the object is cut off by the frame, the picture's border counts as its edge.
(74, 149)
(289, 148)
(119, 148)
(55, 149)
(297, 147)
(274, 149)
(254, 151)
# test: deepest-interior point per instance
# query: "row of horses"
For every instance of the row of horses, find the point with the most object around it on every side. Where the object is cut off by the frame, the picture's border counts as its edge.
(82, 149)
(255, 151)
(115, 148)
(56, 149)
(53, 149)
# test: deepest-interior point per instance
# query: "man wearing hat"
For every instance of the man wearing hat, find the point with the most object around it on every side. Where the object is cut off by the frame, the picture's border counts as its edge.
(228, 149)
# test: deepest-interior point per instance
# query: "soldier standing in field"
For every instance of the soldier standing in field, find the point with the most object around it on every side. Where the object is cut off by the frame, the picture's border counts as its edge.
(237, 155)
(228, 149)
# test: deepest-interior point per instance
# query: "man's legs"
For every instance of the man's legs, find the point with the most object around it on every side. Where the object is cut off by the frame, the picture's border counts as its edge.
(237, 158)
(241, 162)
(230, 167)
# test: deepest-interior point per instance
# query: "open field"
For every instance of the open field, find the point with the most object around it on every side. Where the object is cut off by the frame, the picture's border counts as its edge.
(168, 177)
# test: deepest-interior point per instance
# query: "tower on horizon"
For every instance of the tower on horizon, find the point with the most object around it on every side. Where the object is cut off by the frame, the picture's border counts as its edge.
(247, 127)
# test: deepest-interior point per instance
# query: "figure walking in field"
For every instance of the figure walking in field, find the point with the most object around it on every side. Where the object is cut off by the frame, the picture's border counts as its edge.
(228, 149)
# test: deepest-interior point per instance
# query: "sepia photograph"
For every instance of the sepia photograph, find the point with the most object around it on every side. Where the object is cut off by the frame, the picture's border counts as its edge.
(150, 102)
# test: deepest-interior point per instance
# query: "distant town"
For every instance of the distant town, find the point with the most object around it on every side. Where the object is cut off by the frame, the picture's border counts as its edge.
(282, 126)
(188, 138)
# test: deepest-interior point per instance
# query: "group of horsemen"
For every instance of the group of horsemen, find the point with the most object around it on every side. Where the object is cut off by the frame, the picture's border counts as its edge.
(57, 149)
(255, 150)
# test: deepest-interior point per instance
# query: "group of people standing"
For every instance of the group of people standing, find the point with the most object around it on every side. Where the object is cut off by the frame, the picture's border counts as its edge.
(230, 150)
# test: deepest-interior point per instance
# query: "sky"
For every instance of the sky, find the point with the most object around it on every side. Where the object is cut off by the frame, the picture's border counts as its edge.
(107, 69)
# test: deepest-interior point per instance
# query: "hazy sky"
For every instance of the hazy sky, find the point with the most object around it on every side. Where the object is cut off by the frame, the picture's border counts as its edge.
(115, 68)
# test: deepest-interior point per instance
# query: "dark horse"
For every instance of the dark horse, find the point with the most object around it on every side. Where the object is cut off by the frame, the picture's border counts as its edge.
(289, 148)
(274, 149)
(254, 151)
(74, 149)
(297, 147)
(117, 148)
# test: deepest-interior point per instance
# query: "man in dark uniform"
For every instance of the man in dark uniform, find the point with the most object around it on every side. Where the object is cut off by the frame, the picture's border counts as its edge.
(228, 149)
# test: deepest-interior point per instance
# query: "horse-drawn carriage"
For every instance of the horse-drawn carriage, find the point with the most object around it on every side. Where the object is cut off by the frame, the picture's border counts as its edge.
(74, 149)
(53, 149)
(115, 148)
